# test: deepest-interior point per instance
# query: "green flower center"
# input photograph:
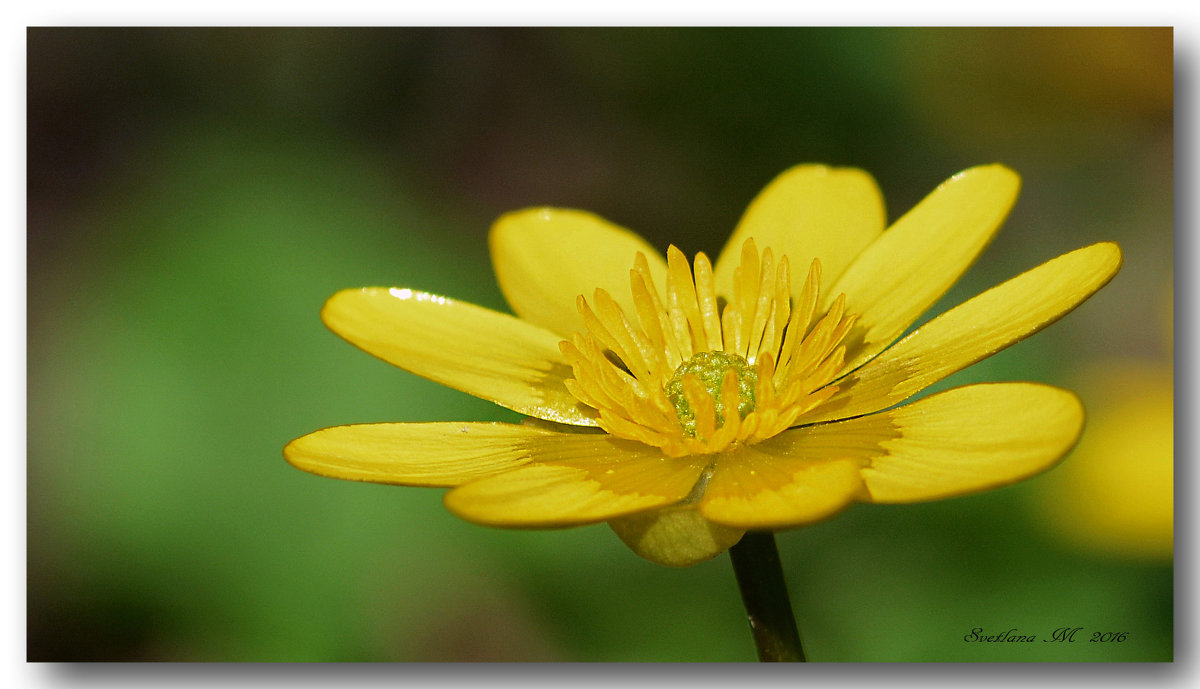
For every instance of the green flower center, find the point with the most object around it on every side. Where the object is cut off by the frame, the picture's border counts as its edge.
(710, 369)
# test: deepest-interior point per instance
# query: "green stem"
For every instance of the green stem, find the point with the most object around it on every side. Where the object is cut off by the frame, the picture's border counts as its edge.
(764, 593)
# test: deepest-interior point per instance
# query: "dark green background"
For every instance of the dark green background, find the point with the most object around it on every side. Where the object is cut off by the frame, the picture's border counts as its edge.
(195, 194)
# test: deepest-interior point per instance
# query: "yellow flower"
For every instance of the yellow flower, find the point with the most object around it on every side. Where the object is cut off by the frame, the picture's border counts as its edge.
(685, 404)
(1116, 498)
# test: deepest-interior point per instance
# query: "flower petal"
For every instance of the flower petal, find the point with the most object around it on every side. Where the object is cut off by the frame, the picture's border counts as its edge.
(760, 487)
(576, 479)
(460, 345)
(900, 275)
(973, 330)
(675, 537)
(414, 454)
(545, 257)
(968, 439)
(809, 211)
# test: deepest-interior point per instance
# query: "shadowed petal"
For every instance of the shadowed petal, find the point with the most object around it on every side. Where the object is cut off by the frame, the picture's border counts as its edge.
(545, 257)
(675, 537)
(809, 211)
(576, 479)
(758, 487)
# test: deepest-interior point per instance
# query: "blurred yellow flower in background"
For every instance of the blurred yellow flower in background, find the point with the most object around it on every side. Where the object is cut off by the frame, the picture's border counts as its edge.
(1116, 496)
(686, 403)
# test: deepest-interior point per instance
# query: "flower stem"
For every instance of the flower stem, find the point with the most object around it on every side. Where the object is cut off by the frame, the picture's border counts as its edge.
(764, 593)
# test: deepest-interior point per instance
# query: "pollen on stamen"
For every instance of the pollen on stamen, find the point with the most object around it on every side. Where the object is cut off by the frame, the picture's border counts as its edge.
(683, 373)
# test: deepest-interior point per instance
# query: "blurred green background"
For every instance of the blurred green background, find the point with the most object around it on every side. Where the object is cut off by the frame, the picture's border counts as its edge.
(195, 194)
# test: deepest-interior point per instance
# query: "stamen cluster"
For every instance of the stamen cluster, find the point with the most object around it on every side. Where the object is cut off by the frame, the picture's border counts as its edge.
(624, 364)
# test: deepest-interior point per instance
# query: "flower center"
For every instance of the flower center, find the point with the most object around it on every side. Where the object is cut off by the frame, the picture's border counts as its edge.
(671, 372)
(710, 370)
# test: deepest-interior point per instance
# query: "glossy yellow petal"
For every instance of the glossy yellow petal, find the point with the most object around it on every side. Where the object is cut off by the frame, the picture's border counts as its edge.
(414, 454)
(973, 330)
(900, 275)
(757, 487)
(968, 439)
(809, 211)
(675, 537)
(576, 479)
(545, 257)
(460, 345)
